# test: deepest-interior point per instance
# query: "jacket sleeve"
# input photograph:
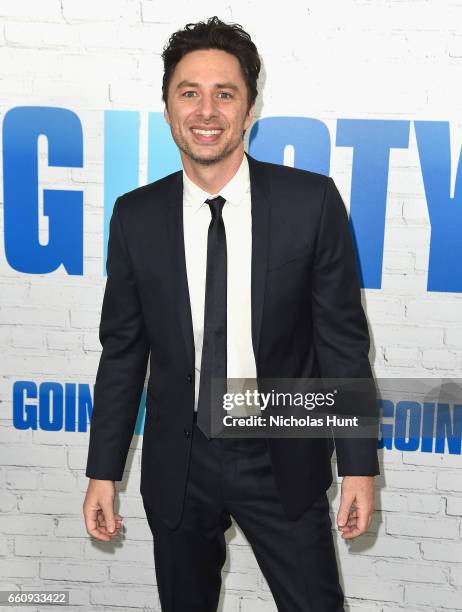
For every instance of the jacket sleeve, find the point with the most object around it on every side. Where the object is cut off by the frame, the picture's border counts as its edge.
(123, 362)
(339, 323)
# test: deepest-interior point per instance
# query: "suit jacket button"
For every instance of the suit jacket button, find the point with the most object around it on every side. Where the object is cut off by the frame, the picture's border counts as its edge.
(189, 378)
(187, 433)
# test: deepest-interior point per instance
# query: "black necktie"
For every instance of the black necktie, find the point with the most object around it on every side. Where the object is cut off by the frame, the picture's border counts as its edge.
(213, 361)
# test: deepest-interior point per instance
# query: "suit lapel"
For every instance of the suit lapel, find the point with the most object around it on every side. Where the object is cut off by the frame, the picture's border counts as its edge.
(260, 244)
(260, 210)
(179, 277)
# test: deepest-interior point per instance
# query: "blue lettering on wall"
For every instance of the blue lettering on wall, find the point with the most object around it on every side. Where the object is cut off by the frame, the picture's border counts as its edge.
(428, 427)
(445, 212)
(52, 406)
(309, 137)
(404, 425)
(371, 141)
(22, 127)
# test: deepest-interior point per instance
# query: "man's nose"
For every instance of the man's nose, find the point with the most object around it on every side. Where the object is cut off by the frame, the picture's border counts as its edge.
(207, 106)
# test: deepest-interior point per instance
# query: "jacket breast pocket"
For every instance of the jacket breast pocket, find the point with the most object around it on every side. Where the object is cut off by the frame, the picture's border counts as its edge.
(300, 256)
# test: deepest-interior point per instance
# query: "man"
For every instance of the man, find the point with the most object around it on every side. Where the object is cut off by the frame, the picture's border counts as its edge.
(231, 267)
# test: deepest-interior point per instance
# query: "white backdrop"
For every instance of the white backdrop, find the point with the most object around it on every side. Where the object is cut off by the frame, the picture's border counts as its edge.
(325, 60)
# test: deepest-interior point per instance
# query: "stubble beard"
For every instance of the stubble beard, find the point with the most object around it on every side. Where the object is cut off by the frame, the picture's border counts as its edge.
(227, 149)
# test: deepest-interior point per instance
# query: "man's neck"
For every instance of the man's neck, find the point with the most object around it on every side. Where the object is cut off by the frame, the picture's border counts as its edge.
(214, 177)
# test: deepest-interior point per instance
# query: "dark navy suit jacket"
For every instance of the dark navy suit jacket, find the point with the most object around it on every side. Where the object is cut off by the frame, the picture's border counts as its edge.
(307, 321)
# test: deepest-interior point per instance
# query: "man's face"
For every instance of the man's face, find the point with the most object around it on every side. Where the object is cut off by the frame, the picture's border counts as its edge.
(207, 105)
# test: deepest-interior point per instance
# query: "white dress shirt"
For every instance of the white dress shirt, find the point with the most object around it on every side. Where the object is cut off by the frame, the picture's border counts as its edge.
(238, 227)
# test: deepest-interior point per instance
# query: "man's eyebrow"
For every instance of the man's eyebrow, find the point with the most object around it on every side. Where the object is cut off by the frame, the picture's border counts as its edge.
(186, 83)
(226, 86)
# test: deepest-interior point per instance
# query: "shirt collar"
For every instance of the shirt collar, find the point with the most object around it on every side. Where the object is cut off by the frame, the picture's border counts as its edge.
(233, 191)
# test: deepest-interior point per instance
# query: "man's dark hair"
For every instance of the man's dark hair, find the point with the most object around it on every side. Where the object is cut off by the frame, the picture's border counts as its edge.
(213, 34)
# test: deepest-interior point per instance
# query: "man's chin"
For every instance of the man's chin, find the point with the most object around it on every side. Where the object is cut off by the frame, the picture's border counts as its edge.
(206, 159)
(209, 158)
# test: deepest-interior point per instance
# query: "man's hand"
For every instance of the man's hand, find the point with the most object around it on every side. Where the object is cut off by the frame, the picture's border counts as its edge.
(359, 492)
(98, 510)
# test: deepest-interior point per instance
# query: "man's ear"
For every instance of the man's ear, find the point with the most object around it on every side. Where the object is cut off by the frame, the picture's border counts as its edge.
(249, 117)
(166, 116)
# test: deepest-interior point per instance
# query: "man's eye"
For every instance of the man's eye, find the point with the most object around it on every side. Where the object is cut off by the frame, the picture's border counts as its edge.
(187, 94)
(225, 94)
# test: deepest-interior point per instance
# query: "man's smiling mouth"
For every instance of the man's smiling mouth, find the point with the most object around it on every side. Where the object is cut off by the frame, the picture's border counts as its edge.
(206, 136)
(206, 132)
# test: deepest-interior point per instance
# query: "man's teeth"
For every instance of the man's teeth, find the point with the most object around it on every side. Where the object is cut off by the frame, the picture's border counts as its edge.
(206, 132)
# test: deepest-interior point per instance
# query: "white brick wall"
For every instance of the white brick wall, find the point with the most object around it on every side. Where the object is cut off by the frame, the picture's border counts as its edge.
(326, 60)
